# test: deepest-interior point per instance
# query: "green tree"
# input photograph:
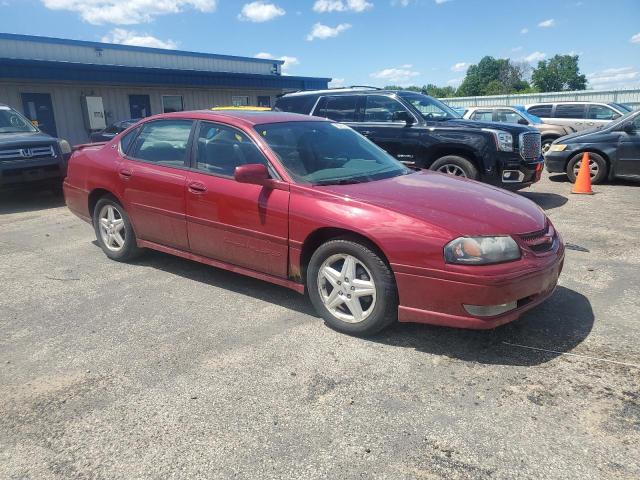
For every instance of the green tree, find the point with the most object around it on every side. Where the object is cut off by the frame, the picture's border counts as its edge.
(559, 73)
(495, 76)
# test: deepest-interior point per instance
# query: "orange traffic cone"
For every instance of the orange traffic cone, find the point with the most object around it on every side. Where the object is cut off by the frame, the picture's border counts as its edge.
(583, 180)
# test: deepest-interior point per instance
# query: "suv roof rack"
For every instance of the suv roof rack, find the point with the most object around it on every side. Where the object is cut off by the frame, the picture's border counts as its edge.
(368, 87)
(331, 90)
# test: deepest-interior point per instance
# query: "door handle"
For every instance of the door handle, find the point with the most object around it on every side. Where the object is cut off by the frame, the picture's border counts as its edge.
(197, 187)
(125, 173)
(366, 133)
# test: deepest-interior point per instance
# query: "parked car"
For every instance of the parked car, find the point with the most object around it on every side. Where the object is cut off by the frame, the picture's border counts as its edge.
(422, 131)
(112, 130)
(28, 155)
(578, 115)
(614, 151)
(311, 205)
(518, 114)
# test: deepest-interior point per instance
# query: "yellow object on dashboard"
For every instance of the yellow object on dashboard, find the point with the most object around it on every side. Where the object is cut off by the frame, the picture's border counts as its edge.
(256, 109)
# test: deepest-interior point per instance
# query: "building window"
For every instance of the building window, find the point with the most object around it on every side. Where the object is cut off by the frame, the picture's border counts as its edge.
(172, 103)
(239, 101)
(264, 101)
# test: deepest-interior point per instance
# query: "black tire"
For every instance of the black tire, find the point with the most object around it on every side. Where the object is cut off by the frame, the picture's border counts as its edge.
(546, 143)
(454, 162)
(602, 168)
(130, 249)
(385, 309)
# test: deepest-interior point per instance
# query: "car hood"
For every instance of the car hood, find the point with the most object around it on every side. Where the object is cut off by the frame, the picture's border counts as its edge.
(585, 136)
(476, 125)
(26, 138)
(464, 207)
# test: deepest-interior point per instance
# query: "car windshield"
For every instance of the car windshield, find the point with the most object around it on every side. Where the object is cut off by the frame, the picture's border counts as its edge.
(430, 108)
(622, 107)
(12, 122)
(327, 153)
(623, 119)
(529, 116)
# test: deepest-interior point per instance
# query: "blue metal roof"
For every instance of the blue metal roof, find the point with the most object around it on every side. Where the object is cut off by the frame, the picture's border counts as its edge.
(130, 48)
(113, 74)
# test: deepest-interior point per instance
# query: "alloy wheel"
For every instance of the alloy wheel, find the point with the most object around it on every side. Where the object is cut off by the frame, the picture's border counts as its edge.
(451, 169)
(593, 168)
(112, 229)
(347, 288)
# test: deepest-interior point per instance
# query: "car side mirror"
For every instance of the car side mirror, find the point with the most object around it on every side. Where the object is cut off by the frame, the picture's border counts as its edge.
(254, 173)
(523, 121)
(629, 128)
(403, 116)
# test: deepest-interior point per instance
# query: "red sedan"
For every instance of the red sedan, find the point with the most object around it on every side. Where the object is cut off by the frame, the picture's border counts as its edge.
(309, 204)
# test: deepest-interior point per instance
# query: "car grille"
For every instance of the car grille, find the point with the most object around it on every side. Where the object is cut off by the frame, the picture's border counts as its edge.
(540, 241)
(530, 145)
(27, 153)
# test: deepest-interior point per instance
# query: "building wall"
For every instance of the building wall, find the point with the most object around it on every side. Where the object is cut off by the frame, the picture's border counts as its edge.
(67, 107)
(630, 97)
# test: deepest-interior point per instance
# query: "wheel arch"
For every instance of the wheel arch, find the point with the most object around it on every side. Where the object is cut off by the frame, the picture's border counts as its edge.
(440, 151)
(326, 234)
(95, 195)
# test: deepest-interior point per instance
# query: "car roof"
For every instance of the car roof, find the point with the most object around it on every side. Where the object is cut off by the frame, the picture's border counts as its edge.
(350, 91)
(245, 117)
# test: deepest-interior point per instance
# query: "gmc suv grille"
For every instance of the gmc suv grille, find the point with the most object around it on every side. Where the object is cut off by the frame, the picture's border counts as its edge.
(530, 146)
(541, 241)
(27, 153)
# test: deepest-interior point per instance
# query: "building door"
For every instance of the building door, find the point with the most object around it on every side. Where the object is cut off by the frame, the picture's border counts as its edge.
(139, 106)
(264, 101)
(39, 109)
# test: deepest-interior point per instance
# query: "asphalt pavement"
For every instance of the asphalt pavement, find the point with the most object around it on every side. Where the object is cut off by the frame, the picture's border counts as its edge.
(168, 369)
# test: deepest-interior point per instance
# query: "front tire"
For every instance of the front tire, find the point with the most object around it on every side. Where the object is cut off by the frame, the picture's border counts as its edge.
(352, 288)
(597, 167)
(455, 166)
(546, 144)
(114, 230)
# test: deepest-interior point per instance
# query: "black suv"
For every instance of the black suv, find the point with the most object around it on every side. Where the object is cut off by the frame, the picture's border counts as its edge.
(424, 132)
(27, 154)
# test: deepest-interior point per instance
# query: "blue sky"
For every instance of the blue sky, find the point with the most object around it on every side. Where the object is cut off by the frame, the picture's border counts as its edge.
(372, 42)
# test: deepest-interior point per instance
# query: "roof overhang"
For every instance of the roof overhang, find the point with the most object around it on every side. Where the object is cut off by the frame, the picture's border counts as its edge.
(41, 70)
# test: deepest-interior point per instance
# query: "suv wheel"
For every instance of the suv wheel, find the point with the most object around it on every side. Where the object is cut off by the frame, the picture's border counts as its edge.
(456, 166)
(546, 144)
(597, 167)
(352, 288)
(114, 231)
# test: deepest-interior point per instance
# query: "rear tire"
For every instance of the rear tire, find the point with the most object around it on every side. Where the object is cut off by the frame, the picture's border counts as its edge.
(114, 230)
(455, 166)
(343, 272)
(597, 165)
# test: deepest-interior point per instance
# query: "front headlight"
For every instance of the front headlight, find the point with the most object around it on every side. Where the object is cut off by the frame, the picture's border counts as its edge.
(504, 140)
(65, 147)
(557, 147)
(481, 250)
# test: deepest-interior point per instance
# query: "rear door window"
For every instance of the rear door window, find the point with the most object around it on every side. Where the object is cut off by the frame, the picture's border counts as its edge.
(543, 110)
(508, 116)
(164, 142)
(296, 104)
(127, 140)
(568, 110)
(340, 108)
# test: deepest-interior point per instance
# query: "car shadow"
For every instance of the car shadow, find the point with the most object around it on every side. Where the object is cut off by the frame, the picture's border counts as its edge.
(234, 282)
(28, 198)
(558, 325)
(546, 201)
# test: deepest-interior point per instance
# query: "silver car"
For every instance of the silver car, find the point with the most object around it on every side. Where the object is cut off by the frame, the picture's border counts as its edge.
(578, 115)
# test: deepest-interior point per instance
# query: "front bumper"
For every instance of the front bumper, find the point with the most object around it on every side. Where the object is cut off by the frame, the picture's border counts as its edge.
(438, 298)
(556, 162)
(25, 171)
(511, 172)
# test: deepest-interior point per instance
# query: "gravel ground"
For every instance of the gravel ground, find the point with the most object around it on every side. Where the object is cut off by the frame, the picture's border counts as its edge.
(170, 369)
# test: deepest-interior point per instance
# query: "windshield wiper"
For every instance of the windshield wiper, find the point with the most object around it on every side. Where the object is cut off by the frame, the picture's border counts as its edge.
(342, 181)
